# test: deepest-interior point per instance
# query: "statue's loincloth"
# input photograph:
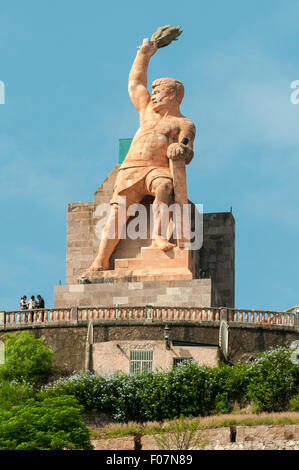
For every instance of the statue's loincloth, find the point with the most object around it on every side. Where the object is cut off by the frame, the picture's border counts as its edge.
(135, 183)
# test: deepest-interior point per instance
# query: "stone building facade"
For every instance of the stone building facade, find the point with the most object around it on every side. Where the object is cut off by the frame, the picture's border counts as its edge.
(75, 349)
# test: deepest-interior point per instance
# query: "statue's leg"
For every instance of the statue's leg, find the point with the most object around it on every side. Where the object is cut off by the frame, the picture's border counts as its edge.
(109, 239)
(162, 188)
(112, 230)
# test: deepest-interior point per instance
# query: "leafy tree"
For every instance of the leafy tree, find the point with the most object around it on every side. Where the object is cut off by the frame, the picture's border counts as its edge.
(27, 358)
(51, 424)
(14, 393)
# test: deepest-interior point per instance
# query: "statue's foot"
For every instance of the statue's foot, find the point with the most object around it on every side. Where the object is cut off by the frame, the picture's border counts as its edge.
(162, 244)
(92, 271)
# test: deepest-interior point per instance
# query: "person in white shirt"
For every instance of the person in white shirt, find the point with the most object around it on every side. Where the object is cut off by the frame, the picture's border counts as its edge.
(32, 303)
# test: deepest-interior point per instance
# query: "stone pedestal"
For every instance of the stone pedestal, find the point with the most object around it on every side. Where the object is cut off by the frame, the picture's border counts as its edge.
(139, 275)
(152, 265)
(176, 293)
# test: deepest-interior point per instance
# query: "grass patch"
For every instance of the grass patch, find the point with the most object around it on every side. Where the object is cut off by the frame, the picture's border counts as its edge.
(150, 428)
(251, 419)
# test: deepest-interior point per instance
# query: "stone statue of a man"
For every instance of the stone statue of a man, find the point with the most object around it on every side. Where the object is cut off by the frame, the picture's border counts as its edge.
(145, 170)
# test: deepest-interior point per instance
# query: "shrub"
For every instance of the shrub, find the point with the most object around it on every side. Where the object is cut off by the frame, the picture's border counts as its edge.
(183, 435)
(92, 391)
(13, 393)
(52, 424)
(148, 396)
(26, 358)
(189, 389)
(230, 385)
(272, 380)
(294, 403)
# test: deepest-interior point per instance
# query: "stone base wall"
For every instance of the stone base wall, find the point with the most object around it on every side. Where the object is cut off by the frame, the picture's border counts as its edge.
(283, 437)
(69, 341)
(192, 293)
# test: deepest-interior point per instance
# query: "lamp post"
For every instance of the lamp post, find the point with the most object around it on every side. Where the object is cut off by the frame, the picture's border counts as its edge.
(166, 336)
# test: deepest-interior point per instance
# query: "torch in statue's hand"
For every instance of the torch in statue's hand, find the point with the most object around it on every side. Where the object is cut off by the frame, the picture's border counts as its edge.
(161, 38)
(165, 35)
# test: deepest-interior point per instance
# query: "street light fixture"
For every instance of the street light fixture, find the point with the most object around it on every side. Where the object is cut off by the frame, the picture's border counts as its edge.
(166, 336)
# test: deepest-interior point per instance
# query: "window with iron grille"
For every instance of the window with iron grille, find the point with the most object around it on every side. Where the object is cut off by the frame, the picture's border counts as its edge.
(141, 361)
(178, 360)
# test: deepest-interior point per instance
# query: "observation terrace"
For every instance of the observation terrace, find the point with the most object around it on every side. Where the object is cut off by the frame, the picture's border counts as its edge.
(72, 331)
(67, 315)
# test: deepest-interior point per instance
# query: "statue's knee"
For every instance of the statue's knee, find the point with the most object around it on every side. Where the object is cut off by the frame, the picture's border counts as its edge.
(164, 188)
(166, 192)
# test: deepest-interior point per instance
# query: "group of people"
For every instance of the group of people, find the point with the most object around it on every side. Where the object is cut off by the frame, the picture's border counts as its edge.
(32, 303)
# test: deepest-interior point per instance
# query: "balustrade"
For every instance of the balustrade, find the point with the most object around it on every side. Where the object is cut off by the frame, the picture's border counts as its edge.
(160, 313)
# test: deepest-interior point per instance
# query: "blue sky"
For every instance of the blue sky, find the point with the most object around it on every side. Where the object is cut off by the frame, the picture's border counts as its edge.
(65, 66)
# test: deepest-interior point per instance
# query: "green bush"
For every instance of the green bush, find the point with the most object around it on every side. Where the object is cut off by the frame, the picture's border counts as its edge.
(186, 390)
(92, 391)
(27, 359)
(14, 393)
(230, 385)
(294, 403)
(51, 424)
(189, 389)
(272, 380)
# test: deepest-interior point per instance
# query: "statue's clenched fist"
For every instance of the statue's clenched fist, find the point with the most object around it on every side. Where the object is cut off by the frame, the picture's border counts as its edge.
(177, 151)
(148, 47)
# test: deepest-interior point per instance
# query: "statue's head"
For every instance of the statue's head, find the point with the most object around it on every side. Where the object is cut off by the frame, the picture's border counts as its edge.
(166, 92)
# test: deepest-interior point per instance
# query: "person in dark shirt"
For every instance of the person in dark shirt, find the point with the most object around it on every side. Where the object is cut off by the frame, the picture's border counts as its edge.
(24, 306)
(40, 304)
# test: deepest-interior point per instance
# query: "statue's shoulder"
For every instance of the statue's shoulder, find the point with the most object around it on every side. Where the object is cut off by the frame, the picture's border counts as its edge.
(187, 123)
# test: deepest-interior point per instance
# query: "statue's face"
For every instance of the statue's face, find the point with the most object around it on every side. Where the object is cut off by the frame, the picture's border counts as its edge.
(162, 97)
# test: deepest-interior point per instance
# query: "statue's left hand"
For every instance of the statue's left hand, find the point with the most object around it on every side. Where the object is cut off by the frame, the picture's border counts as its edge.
(177, 151)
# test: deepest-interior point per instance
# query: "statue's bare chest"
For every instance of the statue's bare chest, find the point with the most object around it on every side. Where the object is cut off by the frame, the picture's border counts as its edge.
(168, 128)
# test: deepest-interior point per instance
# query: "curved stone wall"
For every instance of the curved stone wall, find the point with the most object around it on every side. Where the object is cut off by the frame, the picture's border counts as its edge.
(69, 340)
